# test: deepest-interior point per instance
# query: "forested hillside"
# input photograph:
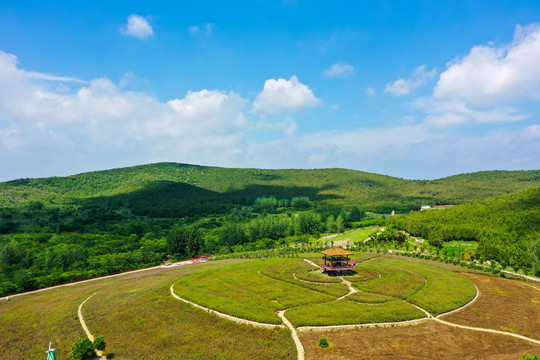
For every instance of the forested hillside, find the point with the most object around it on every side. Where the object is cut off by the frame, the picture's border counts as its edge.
(507, 227)
(175, 190)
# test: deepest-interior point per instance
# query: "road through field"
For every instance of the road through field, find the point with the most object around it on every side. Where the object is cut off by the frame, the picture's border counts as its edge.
(165, 267)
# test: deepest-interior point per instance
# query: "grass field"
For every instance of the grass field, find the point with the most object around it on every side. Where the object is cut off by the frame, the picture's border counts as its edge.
(503, 304)
(140, 319)
(344, 312)
(356, 235)
(239, 290)
(272, 287)
(426, 341)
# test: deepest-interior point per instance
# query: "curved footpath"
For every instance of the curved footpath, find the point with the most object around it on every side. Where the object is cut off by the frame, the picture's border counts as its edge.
(85, 328)
(297, 342)
(225, 316)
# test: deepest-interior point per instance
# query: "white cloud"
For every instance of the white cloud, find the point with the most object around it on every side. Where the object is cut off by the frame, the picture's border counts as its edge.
(282, 95)
(202, 127)
(531, 133)
(137, 26)
(491, 74)
(444, 113)
(370, 91)
(418, 78)
(206, 29)
(339, 70)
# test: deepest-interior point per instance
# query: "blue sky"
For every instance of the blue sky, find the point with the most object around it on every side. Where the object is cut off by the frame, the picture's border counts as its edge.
(414, 89)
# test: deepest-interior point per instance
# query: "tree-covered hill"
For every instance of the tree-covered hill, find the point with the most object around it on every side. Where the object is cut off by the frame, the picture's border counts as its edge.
(173, 190)
(507, 227)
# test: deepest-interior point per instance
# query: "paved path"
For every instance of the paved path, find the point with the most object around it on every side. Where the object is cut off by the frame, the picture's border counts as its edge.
(532, 278)
(225, 316)
(85, 328)
(299, 347)
(488, 330)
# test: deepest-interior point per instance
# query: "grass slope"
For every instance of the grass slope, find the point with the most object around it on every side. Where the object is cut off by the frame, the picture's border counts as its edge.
(139, 319)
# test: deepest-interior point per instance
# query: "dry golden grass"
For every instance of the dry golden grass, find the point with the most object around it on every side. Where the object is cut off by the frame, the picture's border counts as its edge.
(28, 323)
(139, 319)
(503, 304)
(430, 340)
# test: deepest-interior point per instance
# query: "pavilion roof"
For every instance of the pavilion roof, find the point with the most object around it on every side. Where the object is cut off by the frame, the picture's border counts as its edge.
(336, 251)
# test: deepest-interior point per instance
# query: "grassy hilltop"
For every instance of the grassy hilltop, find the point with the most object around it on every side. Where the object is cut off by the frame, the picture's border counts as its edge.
(173, 190)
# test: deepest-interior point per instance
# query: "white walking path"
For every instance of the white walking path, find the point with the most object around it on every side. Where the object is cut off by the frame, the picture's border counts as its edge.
(488, 330)
(225, 316)
(85, 328)
(297, 342)
(532, 278)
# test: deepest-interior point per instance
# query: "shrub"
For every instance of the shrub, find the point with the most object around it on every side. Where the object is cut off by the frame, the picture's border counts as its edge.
(530, 357)
(99, 343)
(323, 343)
(82, 349)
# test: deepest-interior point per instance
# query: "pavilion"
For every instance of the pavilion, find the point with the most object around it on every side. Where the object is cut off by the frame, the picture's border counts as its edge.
(336, 261)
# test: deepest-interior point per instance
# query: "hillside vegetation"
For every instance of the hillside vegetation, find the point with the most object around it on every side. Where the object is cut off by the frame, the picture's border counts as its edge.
(174, 190)
(507, 227)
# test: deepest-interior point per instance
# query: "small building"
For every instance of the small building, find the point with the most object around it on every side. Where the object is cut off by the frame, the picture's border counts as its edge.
(336, 261)
(203, 258)
(425, 207)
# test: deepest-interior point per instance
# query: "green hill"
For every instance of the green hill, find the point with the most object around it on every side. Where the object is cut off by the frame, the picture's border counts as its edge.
(173, 190)
(507, 227)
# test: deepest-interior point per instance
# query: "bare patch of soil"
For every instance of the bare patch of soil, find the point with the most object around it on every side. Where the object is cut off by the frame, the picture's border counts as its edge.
(503, 304)
(430, 340)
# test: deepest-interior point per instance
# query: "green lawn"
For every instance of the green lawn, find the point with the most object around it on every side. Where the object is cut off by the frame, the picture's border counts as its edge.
(344, 312)
(239, 290)
(356, 235)
(440, 292)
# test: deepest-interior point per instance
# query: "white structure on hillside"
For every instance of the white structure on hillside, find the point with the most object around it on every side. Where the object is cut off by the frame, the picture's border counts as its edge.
(425, 207)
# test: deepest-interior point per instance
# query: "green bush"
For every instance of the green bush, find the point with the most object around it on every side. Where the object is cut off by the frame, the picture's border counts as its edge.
(82, 349)
(99, 343)
(323, 343)
(530, 357)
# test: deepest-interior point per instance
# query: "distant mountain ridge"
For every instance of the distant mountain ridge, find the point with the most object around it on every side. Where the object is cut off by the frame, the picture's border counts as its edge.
(174, 189)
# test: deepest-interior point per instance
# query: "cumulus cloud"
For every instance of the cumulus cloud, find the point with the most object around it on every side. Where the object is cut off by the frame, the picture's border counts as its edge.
(137, 26)
(370, 91)
(491, 74)
(206, 124)
(284, 95)
(339, 70)
(418, 78)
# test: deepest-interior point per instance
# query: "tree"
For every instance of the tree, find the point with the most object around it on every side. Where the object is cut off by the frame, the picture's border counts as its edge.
(331, 224)
(99, 343)
(356, 214)
(340, 225)
(232, 234)
(82, 349)
(300, 202)
(185, 241)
